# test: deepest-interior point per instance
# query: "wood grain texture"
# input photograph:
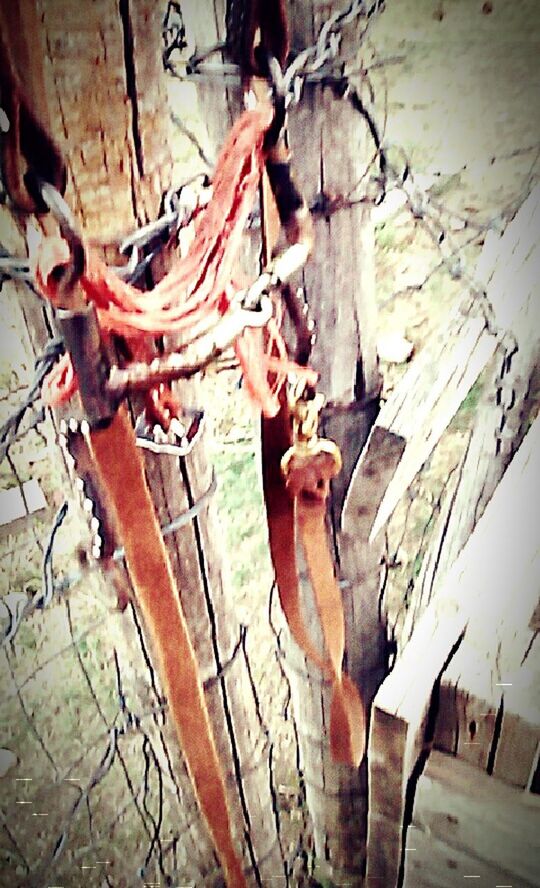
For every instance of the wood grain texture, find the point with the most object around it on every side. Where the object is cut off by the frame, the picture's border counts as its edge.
(496, 670)
(107, 103)
(466, 823)
(428, 396)
(330, 154)
(474, 597)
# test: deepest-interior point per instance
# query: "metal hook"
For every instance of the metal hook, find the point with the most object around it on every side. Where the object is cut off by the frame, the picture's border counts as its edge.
(60, 211)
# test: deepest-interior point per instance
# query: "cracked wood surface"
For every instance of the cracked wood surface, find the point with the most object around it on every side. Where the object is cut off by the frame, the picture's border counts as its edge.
(328, 140)
(106, 98)
(500, 421)
(104, 81)
(501, 556)
(471, 691)
(430, 393)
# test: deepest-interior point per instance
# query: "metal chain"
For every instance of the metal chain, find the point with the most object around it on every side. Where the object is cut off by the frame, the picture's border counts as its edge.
(173, 32)
(311, 62)
(179, 205)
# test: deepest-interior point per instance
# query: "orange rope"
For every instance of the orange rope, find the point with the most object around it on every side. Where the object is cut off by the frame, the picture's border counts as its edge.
(199, 285)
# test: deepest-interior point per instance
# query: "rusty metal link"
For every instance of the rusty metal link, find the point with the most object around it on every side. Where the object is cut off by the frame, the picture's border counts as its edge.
(140, 376)
(69, 230)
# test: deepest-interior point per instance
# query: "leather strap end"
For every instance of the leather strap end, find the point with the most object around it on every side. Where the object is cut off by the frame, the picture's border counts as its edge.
(347, 724)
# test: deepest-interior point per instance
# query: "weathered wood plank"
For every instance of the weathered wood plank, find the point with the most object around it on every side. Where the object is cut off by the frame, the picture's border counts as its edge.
(489, 717)
(473, 588)
(430, 393)
(474, 820)
(516, 754)
(398, 723)
(424, 586)
(360, 559)
(433, 864)
(486, 679)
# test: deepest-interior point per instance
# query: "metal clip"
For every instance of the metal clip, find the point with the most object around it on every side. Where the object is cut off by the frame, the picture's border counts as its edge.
(305, 407)
(271, 69)
(179, 440)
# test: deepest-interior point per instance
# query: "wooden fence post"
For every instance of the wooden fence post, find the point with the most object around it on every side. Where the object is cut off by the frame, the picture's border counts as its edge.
(330, 154)
(105, 97)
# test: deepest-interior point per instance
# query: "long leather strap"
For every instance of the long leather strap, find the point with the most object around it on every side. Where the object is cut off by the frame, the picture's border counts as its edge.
(347, 722)
(281, 516)
(121, 469)
(292, 517)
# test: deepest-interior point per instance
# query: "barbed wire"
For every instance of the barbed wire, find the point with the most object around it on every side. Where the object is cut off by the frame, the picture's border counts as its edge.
(15, 609)
(10, 431)
(323, 62)
(313, 64)
(316, 60)
(125, 724)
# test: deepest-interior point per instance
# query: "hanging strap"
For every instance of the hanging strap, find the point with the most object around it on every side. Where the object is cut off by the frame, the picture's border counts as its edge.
(296, 487)
(120, 467)
(120, 470)
(294, 505)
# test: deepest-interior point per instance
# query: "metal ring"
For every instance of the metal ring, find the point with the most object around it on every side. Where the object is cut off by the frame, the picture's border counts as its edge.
(60, 211)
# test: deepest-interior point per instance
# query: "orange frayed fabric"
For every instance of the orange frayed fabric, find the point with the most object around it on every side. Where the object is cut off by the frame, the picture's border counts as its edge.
(199, 287)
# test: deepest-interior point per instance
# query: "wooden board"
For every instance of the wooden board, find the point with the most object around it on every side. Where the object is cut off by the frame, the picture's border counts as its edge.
(488, 668)
(398, 724)
(433, 864)
(475, 586)
(430, 393)
(468, 824)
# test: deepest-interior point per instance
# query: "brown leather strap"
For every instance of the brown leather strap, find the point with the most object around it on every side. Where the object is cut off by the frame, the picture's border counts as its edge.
(347, 721)
(281, 516)
(290, 514)
(298, 513)
(121, 469)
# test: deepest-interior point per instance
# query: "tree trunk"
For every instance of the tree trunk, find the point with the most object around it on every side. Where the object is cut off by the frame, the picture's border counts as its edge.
(330, 154)
(106, 101)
